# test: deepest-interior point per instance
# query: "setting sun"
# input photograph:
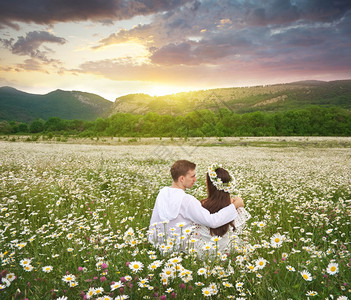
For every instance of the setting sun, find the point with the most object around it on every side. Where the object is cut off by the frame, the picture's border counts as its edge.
(161, 90)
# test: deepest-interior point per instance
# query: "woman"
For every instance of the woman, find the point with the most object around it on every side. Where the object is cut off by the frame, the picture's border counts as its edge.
(219, 186)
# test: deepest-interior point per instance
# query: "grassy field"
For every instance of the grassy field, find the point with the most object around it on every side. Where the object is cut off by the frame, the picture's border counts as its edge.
(74, 218)
(288, 141)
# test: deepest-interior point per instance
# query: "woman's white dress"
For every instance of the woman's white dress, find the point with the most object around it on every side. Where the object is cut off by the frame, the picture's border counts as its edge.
(206, 244)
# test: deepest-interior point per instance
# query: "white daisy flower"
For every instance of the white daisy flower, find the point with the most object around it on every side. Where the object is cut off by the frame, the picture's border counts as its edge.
(306, 275)
(69, 278)
(116, 285)
(332, 268)
(207, 291)
(311, 293)
(47, 269)
(260, 263)
(136, 266)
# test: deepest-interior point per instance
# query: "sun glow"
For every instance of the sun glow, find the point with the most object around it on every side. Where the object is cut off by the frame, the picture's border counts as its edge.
(161, 90)
(131, 52)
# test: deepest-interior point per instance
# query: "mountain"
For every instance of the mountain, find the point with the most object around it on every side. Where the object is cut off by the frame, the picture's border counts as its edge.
(25, 107)
(278, 97)
(21, 106)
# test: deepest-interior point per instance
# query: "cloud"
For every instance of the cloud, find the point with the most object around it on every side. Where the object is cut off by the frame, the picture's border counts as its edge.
(195, 41)
(260, 53)
(271, 12)
(166, 27)
(30, 44)
(210, 31)
(32, 65)
(323, 11)
(5, 68)
(176, 54)
(207, 51)
(345, 24)
(123, 71)
(300, 37)
(50, 12)
(141, 33)
(5, 23)
(233, 39)
(247, 31)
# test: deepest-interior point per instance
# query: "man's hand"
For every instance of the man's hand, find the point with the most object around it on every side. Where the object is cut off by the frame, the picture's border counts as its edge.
(237, 201)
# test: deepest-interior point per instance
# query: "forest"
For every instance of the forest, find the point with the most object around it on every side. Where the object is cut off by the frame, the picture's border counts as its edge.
(311, 121)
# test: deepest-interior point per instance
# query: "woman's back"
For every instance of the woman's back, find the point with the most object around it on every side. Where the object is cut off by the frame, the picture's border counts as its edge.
(208, 244)
(219, 185)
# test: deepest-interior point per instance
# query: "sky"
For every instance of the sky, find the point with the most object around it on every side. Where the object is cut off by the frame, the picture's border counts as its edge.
(118, 47)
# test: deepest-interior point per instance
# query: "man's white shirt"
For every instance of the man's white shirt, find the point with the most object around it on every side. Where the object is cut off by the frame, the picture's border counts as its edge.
(173, 206)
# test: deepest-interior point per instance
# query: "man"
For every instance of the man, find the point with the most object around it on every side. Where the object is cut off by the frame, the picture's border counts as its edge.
(175, 210)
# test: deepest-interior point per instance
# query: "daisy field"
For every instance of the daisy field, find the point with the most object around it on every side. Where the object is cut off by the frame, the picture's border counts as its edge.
(74, 222)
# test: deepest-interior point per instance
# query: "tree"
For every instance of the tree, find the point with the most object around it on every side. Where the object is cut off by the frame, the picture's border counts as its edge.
(101, 124)
(77, 125)
(36, 126)
(22, 127)
(5, 127)
(55, 124)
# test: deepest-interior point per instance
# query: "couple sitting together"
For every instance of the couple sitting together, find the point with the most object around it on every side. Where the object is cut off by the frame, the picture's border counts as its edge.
(178, 218)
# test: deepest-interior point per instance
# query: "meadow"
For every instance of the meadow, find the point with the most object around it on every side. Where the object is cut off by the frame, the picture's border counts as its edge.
(74, 221)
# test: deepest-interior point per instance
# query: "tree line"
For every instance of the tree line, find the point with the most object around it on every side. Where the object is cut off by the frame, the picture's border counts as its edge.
(311, 121)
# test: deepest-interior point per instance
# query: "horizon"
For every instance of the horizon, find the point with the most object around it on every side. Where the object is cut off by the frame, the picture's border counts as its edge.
(259, 85)
(168, 47)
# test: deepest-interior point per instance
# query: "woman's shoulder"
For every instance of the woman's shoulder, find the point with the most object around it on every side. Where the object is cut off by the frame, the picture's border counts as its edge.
(202, 201)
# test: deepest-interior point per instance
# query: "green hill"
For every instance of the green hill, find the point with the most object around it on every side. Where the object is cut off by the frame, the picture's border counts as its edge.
(21, 106)
(279, 97)
(69, 105)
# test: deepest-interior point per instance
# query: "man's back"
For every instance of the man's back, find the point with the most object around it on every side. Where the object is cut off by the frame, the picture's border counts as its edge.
(175, 210)
(167, 214)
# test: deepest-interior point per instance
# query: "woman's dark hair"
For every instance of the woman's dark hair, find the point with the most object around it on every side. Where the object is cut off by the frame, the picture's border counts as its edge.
(216, 200)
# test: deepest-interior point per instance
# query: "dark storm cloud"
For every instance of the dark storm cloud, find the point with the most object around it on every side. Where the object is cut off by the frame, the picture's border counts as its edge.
(344, 26)
(30, 44)
(194, 34)
(246, 38)
(300, 37)
(274, 35)
(208, 50)
(285, 11)
(271, 12)
(52, 11)
(173, 54)
(251, 31)
(323, 11)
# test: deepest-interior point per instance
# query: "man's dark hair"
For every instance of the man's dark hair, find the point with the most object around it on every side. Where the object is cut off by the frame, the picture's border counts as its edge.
(180, 168)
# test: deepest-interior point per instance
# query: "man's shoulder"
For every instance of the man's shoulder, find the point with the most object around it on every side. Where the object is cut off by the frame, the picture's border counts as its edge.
(163, 189)
(189, 197)
(168, 189)
(169, 192)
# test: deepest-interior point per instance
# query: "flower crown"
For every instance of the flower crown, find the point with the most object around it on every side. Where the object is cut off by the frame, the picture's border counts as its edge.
(227, 187)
